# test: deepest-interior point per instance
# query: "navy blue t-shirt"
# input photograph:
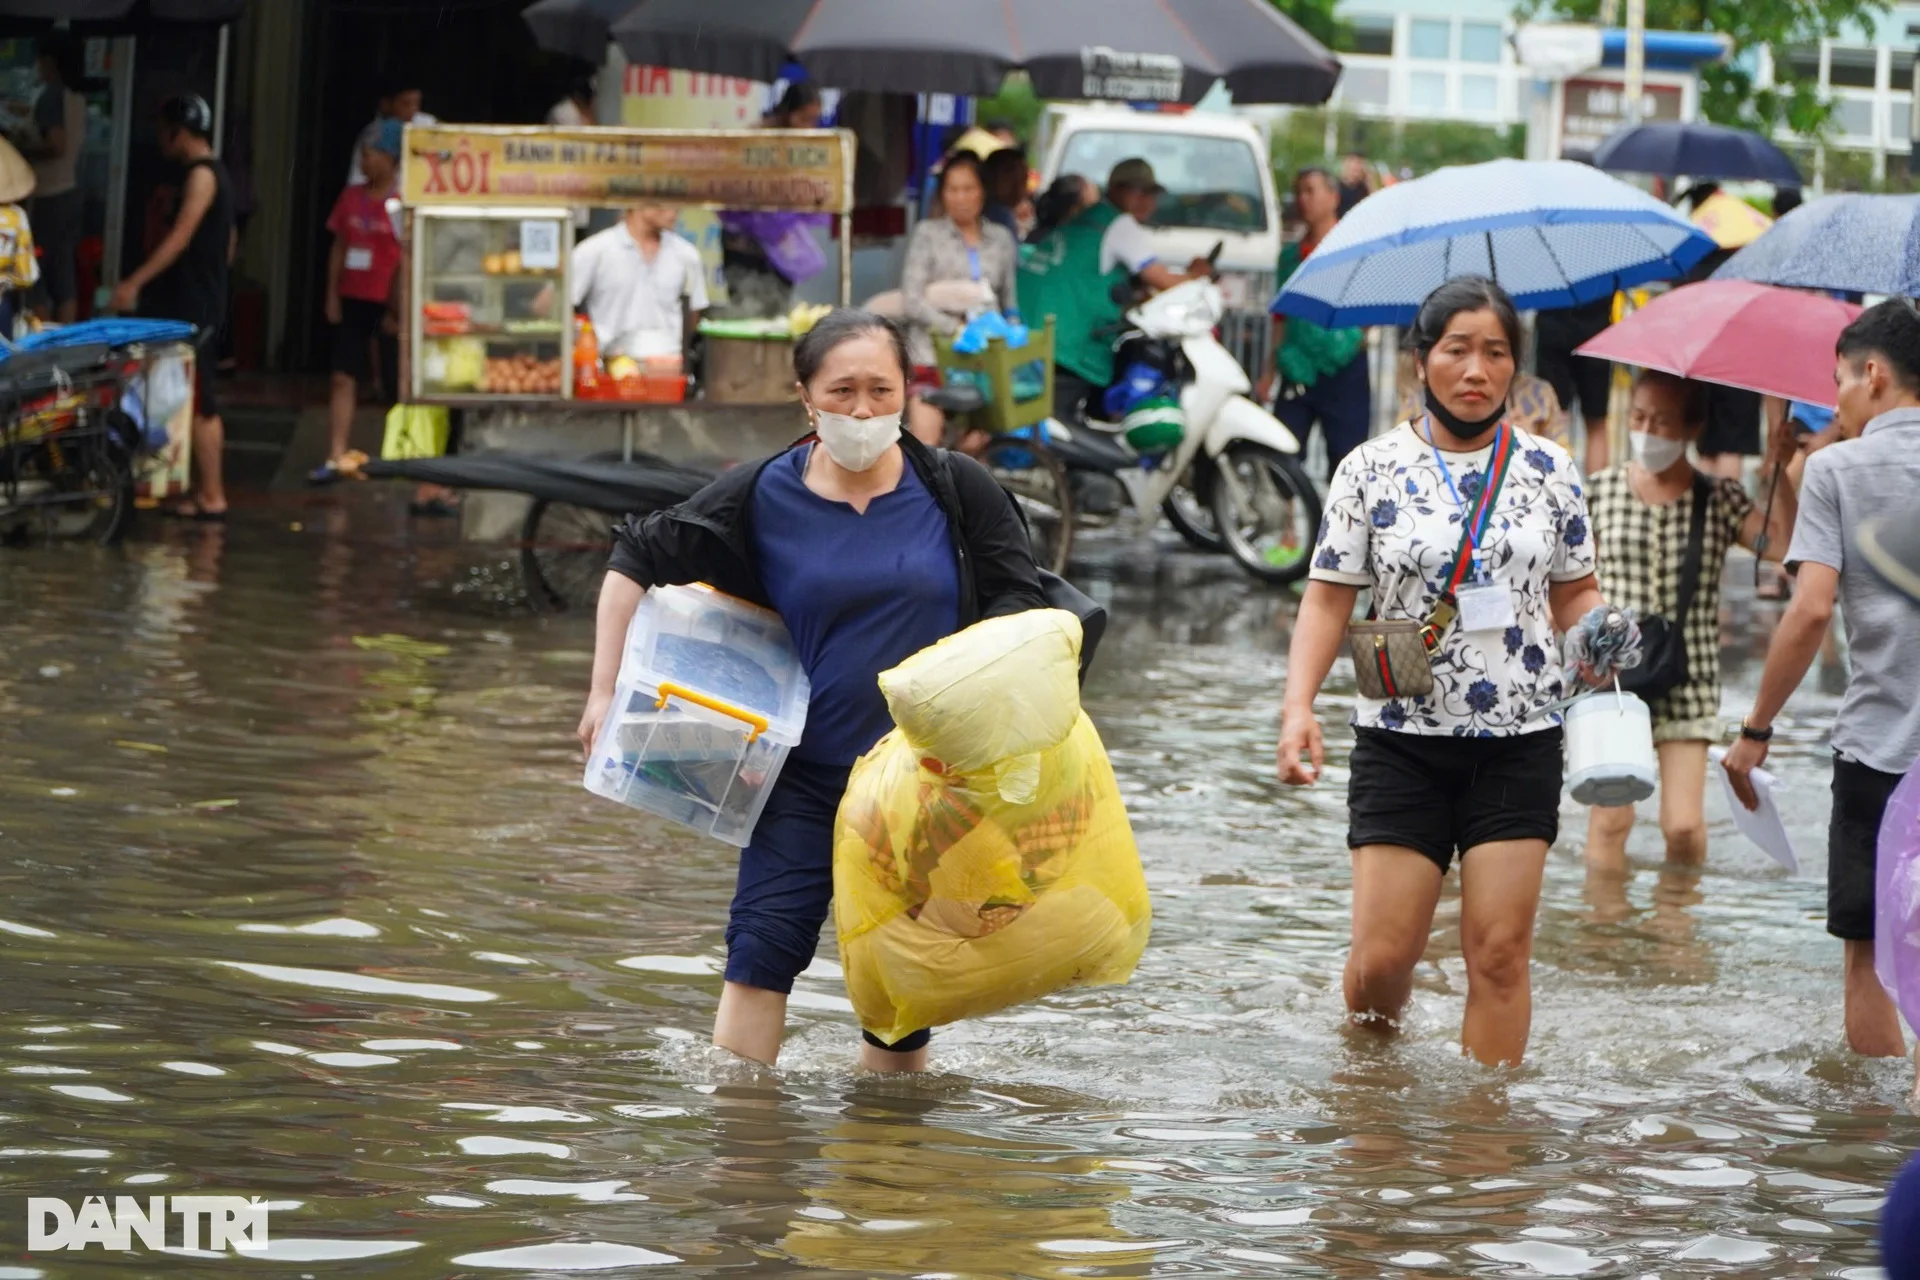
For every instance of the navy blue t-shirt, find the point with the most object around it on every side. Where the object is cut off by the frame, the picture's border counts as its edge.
(860, 593)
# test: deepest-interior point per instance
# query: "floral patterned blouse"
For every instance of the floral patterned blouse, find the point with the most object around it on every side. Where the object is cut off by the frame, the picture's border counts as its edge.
(1392, 525)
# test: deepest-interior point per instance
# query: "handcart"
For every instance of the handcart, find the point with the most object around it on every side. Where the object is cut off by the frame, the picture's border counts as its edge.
(568, 532)
(82, 419)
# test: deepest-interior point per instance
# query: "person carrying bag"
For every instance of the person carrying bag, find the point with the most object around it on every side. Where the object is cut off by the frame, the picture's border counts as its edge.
(1664, 531)
(1472, 536)
(1664, 640)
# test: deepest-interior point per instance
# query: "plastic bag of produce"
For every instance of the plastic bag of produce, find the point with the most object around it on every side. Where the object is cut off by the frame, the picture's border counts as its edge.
(416, 431)
(982, 855)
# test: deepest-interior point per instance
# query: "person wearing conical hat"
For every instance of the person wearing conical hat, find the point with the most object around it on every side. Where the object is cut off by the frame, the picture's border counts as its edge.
(19, 268)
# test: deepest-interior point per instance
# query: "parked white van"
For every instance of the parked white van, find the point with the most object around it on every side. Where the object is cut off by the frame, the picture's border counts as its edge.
(1219, 179)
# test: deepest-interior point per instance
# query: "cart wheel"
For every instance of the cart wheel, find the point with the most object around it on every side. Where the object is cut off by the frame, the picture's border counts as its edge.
(81, 493)
(1038, 481)
(563, 554)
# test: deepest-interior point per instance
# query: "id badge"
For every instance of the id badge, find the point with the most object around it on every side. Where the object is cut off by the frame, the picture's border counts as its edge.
(359, 258)
(1485, 605)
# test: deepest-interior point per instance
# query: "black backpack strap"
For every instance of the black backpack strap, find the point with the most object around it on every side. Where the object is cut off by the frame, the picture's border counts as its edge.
(1696, 549)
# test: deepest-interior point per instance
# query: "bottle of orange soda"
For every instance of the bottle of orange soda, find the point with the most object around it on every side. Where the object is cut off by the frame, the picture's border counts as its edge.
(586, 355)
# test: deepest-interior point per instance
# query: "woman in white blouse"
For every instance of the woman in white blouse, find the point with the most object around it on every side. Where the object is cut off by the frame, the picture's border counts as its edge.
(1474, 767)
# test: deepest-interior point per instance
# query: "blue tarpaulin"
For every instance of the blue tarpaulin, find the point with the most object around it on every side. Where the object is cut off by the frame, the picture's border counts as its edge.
(114, 331)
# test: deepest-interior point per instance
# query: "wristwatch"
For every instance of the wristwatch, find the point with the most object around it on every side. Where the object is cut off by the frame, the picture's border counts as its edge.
(1755, 735)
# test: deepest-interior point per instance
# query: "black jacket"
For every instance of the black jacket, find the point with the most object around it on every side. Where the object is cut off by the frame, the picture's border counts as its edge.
(709, 537)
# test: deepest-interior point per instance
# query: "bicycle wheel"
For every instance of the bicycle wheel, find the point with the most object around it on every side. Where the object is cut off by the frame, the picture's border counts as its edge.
(1268, 511)
(74, 488)
(1037, 479)
(563, 554)
(1189, 508)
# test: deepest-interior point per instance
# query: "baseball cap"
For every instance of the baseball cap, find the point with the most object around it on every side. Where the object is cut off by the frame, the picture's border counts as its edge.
(1135, 173)
(387, 136)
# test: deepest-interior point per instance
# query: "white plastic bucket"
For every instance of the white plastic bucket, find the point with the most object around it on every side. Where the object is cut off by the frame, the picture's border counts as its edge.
(1610, 757)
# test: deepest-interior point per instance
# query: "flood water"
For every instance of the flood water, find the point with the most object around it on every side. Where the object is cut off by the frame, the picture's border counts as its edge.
(300, 897)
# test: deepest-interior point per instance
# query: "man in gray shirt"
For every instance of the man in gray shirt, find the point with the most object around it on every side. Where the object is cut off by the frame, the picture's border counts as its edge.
(1873, 469)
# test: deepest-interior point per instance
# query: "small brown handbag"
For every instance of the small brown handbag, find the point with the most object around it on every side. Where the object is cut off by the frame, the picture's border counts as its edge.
(1390, 658)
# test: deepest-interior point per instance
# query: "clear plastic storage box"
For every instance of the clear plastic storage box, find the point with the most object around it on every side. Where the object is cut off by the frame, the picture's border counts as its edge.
(711, 698)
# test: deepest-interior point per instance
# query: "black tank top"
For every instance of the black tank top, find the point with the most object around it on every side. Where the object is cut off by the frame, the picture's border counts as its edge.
(194, 288)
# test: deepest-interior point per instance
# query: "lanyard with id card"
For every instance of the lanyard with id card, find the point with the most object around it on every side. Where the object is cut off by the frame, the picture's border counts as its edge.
(1480, 603)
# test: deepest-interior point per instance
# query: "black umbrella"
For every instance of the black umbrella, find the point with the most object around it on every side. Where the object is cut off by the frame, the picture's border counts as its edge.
(602, 484)
(1163, 50)
(577, 28)
(1673, 149)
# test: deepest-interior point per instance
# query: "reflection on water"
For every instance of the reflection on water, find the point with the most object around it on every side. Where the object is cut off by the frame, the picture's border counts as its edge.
(300, 898)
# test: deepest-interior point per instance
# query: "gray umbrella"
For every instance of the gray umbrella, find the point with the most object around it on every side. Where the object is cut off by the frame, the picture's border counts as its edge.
(1856, 243)
(1161, 50)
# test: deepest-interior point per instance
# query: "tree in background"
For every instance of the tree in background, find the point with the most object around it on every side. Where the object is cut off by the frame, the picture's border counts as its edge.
(1317, 18)
(1727, 92)
(1300, 139)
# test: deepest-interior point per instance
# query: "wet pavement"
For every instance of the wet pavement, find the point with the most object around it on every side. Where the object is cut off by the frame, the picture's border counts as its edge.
(300, 897)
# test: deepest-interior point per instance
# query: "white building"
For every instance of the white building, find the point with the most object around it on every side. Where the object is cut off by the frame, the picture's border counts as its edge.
(1452, 60)
(1432, 60)
(1869, 74)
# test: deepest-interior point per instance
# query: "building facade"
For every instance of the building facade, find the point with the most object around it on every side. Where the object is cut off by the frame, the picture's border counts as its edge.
(1452, 60)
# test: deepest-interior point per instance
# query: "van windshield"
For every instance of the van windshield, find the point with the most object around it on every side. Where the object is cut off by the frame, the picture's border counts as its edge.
(1212, 183)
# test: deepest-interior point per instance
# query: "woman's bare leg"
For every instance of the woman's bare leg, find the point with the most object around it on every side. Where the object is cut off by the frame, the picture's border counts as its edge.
(1683, 786)
(1499, 895)
(1607, 832)
(874, 1058)
(752, 1022)
(1394, 893)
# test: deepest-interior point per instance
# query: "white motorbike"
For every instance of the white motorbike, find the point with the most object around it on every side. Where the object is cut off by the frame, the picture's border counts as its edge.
(1234, 479)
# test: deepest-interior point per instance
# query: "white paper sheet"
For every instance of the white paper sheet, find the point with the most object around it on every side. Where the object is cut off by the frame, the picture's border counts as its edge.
(1763, 825)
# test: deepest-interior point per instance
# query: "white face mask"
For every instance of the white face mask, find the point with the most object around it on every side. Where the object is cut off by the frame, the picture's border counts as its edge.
(856, 443)
(1655, 453)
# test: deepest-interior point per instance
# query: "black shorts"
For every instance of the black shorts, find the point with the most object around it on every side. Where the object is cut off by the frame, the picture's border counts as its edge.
(1733, 422)
(1437, 794)
(361, 325)
(1578, 382)
(1860, 795)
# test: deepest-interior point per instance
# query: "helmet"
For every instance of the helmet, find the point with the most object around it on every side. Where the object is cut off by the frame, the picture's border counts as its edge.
(188, 111)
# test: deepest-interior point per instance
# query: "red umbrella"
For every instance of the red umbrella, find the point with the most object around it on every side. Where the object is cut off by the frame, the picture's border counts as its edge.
(1759, 337)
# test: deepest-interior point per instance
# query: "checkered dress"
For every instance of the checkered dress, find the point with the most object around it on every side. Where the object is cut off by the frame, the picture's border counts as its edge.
(1641, 551)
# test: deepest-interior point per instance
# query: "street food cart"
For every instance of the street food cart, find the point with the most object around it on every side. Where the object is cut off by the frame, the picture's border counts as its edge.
(489, 235)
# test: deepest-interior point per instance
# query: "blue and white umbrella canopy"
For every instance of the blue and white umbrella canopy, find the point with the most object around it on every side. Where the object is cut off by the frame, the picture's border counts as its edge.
(1552, 233)
(1856, 243)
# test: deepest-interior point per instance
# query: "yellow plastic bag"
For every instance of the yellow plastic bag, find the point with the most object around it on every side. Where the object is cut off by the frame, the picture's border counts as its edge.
(959, 891)
(416, 431)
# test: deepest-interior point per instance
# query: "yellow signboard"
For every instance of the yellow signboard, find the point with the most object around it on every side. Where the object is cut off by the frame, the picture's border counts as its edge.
(794, 169)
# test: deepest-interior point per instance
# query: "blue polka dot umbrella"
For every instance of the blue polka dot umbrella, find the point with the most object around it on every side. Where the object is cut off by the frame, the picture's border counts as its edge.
(1855, 243)
(1552, 233)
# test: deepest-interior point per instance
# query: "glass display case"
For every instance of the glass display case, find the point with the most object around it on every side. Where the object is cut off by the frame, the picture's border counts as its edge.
(490, 307)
